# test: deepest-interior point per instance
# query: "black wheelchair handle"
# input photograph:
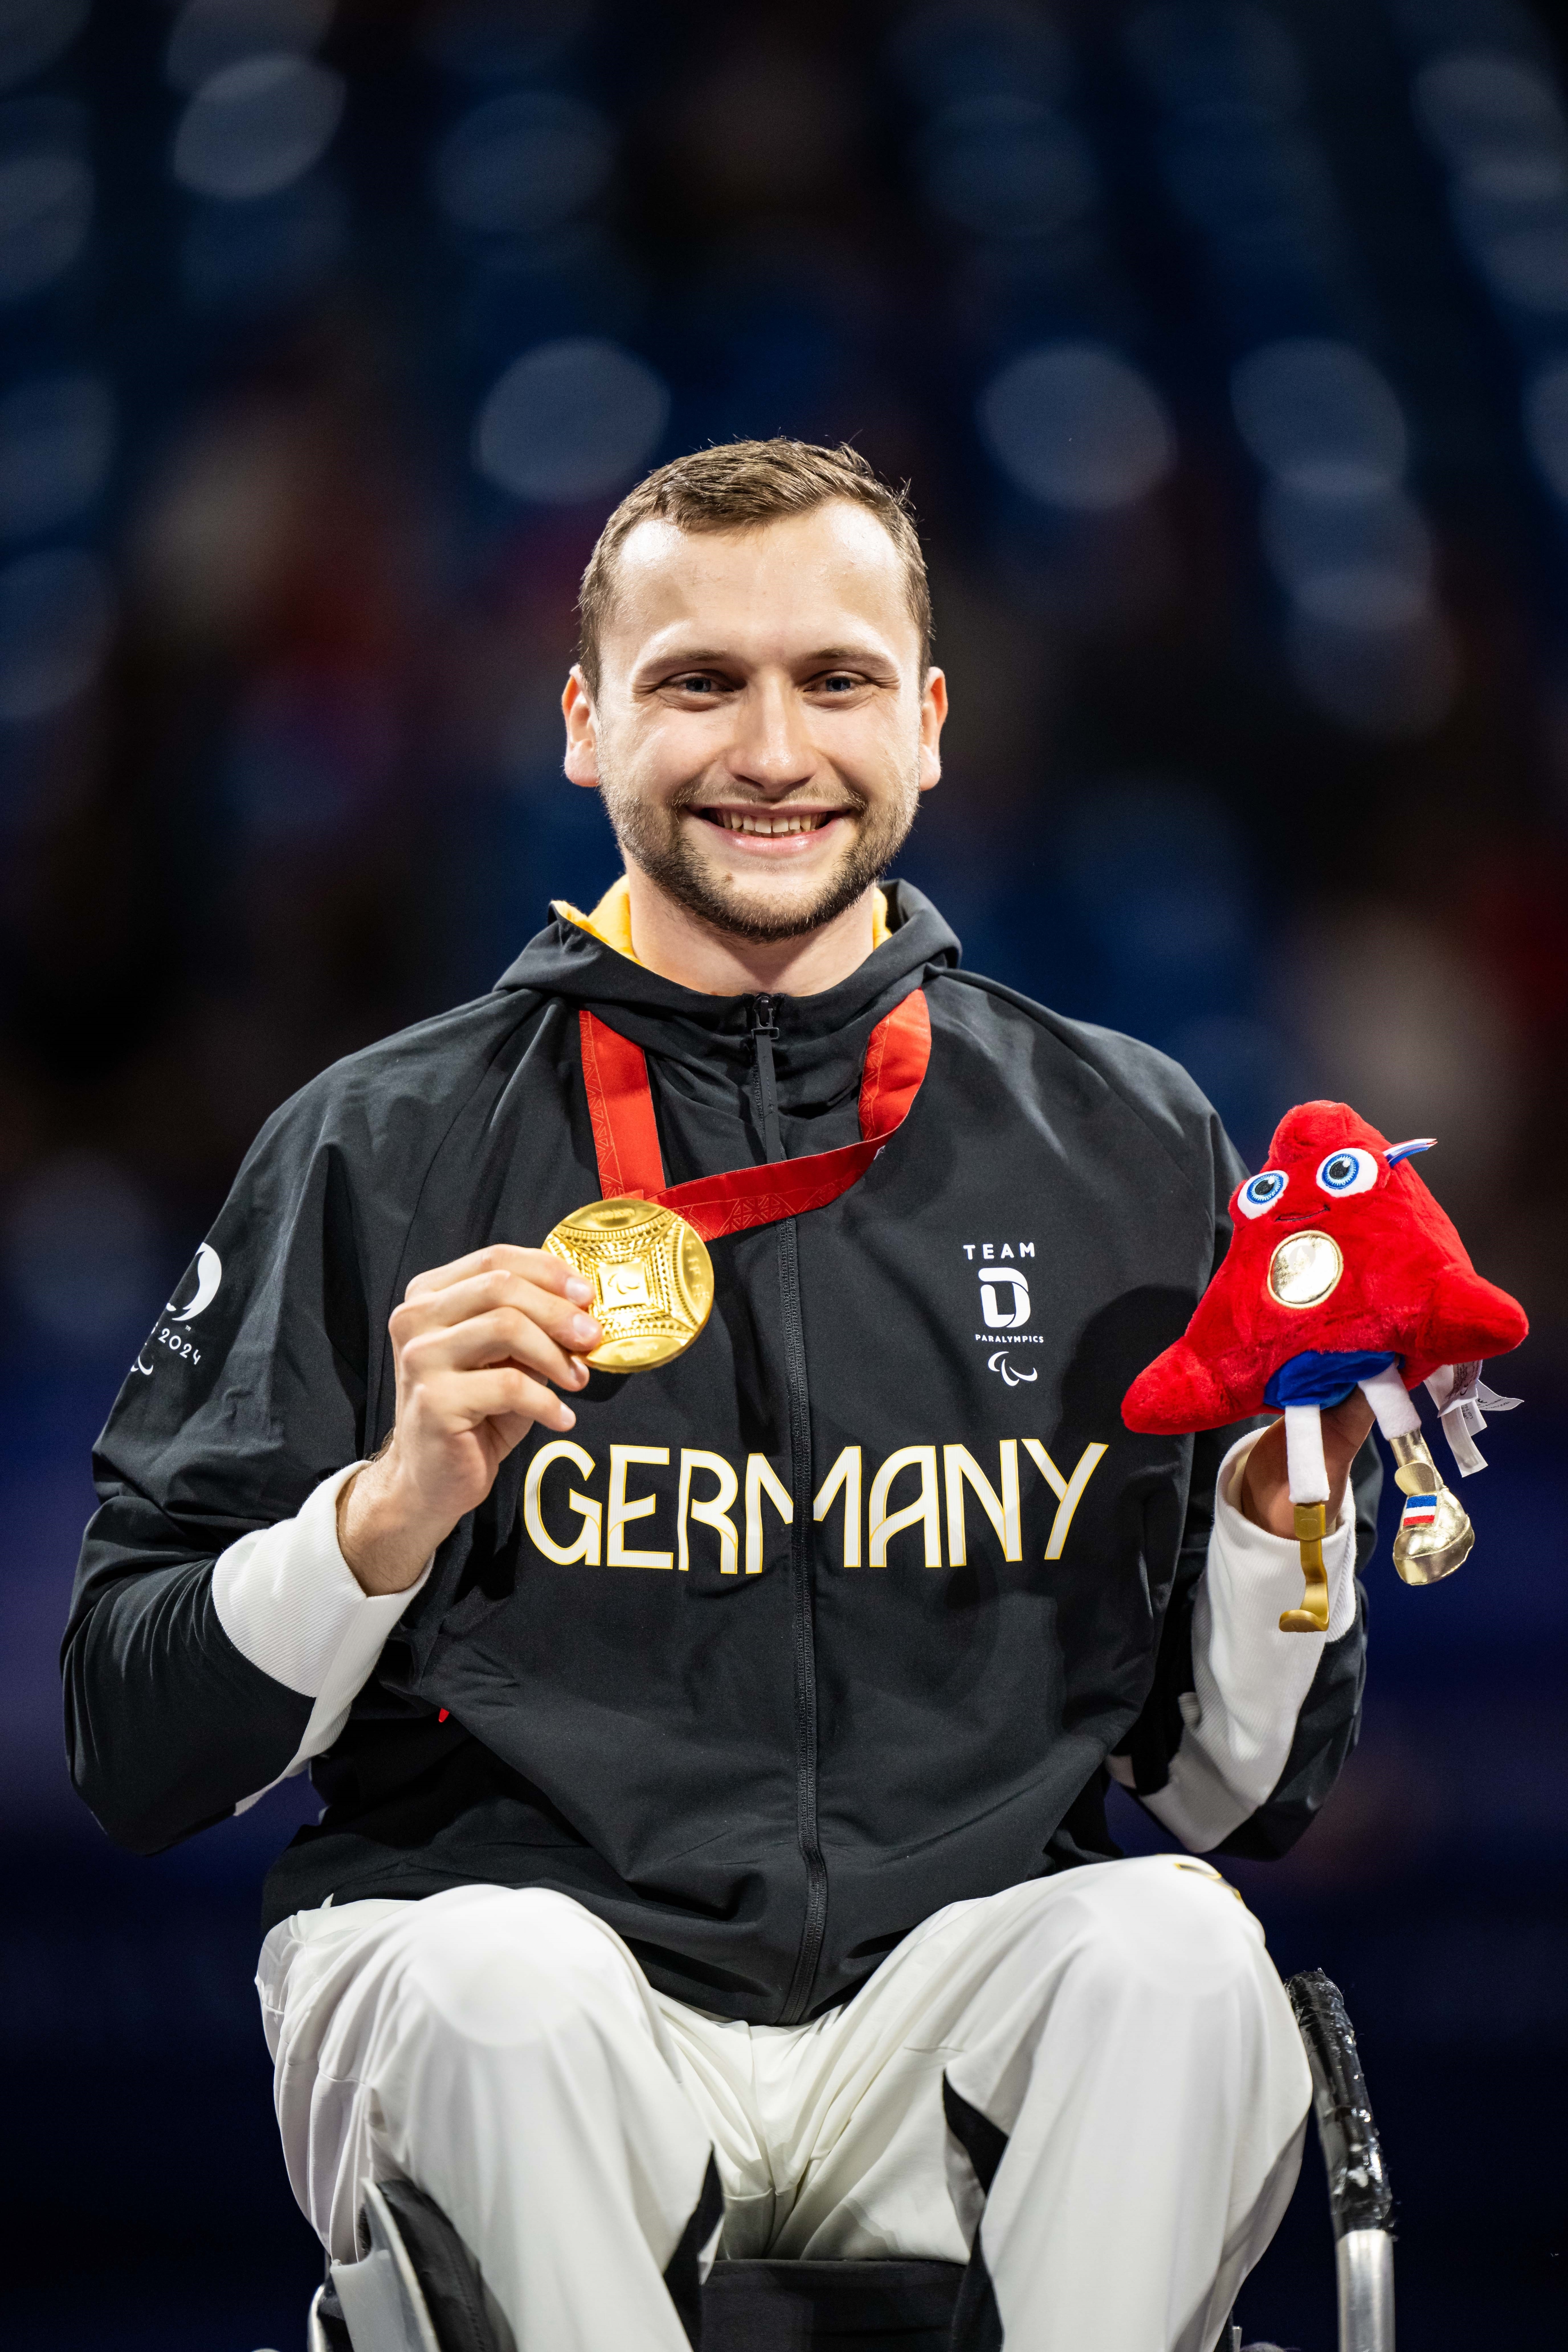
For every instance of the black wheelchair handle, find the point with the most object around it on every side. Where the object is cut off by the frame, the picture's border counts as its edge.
(1360, 2197)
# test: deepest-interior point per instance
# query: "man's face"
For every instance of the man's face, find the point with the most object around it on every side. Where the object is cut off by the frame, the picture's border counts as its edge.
(762, 733)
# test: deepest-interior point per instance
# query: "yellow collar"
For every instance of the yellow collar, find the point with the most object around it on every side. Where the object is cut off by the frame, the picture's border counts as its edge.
(611, 920)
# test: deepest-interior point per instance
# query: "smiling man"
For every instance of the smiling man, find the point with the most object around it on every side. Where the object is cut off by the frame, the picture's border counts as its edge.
(714, 1858)
(760, 783)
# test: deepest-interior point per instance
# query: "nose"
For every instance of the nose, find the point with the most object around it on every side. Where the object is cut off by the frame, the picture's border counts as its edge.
(771, 748)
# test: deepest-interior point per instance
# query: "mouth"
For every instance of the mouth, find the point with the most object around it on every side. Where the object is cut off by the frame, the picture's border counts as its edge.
(1304, 1216)
(771, 833)
(769, 823)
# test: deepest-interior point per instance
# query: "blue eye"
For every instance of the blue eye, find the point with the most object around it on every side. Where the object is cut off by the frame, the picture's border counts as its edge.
(1261, 1191)
(1349, 1170)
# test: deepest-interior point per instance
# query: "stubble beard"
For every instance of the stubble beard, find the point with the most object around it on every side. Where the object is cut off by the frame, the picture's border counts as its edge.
(654, 837)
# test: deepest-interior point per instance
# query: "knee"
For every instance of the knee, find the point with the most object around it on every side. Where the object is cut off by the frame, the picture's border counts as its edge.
(1168, 1922)
(509, 1967)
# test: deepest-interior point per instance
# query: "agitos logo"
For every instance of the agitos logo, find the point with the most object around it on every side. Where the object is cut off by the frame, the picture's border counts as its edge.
(908, 1494)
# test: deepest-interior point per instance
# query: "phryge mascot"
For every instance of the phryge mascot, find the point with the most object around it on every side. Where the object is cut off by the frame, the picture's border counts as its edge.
(1342, 1273)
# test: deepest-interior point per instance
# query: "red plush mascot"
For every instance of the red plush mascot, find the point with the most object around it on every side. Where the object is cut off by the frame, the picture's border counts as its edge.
(1342, 1273)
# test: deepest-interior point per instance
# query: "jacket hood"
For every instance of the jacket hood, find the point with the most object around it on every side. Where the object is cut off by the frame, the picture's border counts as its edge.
(815, 1033)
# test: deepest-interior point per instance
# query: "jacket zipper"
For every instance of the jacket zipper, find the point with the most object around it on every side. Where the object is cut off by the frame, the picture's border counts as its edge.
(764, 1030)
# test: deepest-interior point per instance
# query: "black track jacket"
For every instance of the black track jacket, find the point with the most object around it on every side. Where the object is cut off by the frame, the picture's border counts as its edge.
(937, 1581)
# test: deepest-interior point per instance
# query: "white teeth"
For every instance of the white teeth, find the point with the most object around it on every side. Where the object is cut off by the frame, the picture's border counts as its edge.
(734, 820)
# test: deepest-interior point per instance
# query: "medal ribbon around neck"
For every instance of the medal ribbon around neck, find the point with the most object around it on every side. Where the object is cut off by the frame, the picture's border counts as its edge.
(642, 1246)
(626, 1135)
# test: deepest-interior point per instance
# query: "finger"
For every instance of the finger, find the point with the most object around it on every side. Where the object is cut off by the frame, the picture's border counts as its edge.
(500, 1393)
(510, 1429)
(1344, 1434)
(541, 1268)
(486, 1293)
(503, 1335)
(571, 1323)
(561, 1316)
(507, 1334)
(1267, 1456)
(1262, 1489)
(1351, 1419)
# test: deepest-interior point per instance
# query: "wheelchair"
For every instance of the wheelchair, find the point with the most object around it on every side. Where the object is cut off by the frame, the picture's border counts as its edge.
(415, 2288)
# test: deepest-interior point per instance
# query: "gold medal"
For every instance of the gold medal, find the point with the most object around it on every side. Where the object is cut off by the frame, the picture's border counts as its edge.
(1304, 1269)
(652, 1278)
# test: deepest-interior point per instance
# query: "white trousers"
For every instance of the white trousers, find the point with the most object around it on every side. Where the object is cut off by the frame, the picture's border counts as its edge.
(1093, 2081)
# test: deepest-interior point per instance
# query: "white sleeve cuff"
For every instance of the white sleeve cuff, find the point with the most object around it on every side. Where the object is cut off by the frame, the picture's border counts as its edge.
(289, 1602)
(1251, 1681)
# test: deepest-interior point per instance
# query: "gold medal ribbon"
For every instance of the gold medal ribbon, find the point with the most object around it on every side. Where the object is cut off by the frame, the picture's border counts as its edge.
(626, 1135)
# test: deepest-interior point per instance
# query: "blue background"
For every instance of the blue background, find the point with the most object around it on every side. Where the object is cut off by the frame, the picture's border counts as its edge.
(1226, 349)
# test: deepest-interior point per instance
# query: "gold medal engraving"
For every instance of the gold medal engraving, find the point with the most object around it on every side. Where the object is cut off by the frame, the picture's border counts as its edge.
(652, 1278)
(1304, 1269)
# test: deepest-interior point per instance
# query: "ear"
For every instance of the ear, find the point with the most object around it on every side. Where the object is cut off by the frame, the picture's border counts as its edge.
(582, 761)
(933, 719)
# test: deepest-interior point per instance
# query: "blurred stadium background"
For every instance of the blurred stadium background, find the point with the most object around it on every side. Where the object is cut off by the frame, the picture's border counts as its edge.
(1225, 347)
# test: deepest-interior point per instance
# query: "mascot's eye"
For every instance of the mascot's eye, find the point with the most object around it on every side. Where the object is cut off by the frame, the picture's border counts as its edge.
(1348, 1170)
(1260, 1192)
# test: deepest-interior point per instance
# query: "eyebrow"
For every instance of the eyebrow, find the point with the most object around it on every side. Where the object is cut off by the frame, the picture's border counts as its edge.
(823, 657)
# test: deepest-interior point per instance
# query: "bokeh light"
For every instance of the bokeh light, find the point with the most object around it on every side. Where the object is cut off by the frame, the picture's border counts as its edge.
(1007, 167)
(210, 34)
(570, 420)
(1078, 427)
(1363, 563)
(57, 615)
(1379, 664)
(257, 126)
(35, 33)
(1365, 642)
(523, 163)
(1321, 417)
(1546, 424)
(45, 195)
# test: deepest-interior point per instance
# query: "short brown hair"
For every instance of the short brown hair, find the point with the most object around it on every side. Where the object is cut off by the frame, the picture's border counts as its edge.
(736, 485)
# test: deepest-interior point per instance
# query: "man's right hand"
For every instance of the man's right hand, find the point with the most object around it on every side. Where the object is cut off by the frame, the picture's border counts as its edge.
(475, 1344)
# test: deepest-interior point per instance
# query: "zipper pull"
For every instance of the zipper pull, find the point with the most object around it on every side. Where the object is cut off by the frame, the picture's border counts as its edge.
(764, 1030)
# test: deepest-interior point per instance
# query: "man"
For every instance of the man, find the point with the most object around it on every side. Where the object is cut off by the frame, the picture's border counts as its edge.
(714, 1856)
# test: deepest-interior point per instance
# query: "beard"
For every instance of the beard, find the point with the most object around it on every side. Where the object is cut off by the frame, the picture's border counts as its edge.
(653, 836)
